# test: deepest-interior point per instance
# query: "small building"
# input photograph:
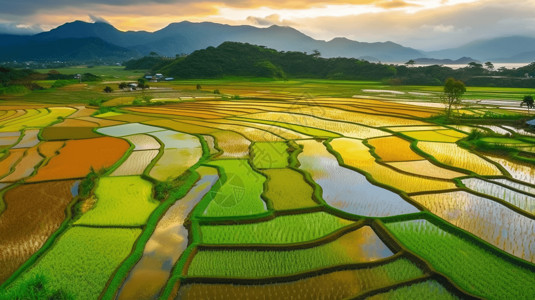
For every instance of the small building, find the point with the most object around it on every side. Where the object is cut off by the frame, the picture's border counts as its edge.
(132, 86)
(169, 78)
(531, 123)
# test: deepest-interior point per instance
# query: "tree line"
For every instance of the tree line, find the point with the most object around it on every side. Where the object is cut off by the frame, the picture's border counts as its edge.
(241, 59)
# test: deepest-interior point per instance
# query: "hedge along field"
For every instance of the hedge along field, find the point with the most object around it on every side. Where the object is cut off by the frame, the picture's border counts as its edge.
(239, 194)
(33, 213)
(520, 200)
(121, 201)
(82, 260)
(355, 154)
(393, 148)
(280, 230)
(346, 189)
(167, 243)
(287, 189)
(486, 219)
(269, 263)
(270, 155)
(77, 157)
(470, 266)
(334, 285)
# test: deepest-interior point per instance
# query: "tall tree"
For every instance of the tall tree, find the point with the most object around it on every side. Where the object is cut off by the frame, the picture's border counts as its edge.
(453, 92)
(528, 101)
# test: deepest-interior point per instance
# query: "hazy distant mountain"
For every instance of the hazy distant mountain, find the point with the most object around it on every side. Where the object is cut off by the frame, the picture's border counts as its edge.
(186, 37)
(504, 49)
(68, 49)
(435, 61)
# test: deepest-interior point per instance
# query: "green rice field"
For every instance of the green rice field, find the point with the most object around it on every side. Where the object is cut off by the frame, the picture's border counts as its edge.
(297, 189)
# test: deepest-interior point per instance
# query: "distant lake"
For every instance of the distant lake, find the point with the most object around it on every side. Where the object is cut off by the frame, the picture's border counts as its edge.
(458, 66)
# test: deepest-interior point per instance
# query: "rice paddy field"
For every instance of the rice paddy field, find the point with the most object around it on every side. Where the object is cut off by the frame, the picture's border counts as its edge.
(271, 190)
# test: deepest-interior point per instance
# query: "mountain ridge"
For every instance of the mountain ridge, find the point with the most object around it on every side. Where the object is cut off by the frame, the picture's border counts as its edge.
(186, 37)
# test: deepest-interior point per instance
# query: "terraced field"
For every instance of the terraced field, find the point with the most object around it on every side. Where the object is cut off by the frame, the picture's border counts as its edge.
(288, 197)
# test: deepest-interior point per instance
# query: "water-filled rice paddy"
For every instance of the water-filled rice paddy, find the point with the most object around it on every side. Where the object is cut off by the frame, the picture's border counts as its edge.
(394, 148)
(355, 154)
(425, 168)
(166, 244)
(136, 163)
(452, 155)
(285, 197)
(174, 162)
(477, 270)
(347, 190)
(280, 230)
(258, 264)
(334, 285)
(486, 219)
(520, 200)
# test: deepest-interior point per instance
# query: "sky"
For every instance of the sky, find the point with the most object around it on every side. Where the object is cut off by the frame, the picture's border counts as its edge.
(421, 24)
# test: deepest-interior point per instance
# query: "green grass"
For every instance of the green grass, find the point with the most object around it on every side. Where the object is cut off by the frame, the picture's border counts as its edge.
(281, 230)
(270, 155)
(82, 260)
(106, 72)
(240, 192)
(469, 266)
(266, 263)
(425, 290)
(287, 189)
(121, 201)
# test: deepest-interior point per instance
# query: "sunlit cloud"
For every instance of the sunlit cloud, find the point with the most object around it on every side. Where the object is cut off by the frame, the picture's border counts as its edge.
(427, 24)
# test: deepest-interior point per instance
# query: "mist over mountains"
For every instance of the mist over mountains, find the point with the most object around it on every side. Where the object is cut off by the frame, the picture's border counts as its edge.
(82, 41)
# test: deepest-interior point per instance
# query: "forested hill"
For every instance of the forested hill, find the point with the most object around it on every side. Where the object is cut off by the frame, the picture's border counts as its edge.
(238, 59)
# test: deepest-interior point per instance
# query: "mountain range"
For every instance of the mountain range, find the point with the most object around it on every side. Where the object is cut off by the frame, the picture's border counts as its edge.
(81, 41)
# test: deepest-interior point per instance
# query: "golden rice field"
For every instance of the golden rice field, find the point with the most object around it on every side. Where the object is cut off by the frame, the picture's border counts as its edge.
(284, 197)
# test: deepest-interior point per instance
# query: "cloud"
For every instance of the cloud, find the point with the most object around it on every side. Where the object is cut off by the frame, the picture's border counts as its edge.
(97, 19)
(21, 29)
(395, 4)
(268, 21)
